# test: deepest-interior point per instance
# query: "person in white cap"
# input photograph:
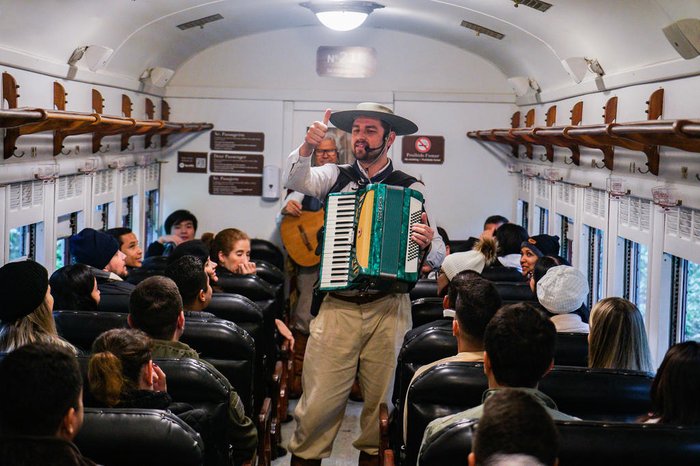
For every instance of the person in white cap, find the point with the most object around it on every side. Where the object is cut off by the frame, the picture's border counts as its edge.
(352, 327)
(562, 291)
(484, 253)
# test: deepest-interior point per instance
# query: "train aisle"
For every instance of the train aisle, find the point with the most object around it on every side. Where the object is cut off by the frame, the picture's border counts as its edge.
(343, 452)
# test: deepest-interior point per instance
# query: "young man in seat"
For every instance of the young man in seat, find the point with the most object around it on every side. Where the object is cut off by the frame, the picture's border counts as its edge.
(519, 350)
(156, 308)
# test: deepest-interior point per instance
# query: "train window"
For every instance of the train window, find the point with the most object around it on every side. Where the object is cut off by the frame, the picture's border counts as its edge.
(595, 256)
(566, 237)
(105, 216)
(128, 211)
(543, 218)
(67, 225)
(635, 273)
(27, 242)
(685, 300)
(523, 213)
(152, 208)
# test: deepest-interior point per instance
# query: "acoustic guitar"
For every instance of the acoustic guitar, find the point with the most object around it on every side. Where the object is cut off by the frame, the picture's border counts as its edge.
(299, 236)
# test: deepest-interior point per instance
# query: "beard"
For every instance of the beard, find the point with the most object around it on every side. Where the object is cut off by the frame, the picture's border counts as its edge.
(363, 153)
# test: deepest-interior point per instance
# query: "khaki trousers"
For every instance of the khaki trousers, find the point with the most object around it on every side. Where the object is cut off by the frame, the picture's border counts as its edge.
(343, 335)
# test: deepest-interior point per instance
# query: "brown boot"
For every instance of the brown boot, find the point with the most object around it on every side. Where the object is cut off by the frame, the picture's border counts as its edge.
(300, 340)
(368, 460)
(296, 461)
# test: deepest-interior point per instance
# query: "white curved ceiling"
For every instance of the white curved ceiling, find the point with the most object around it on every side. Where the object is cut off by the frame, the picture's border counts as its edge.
(624, 35)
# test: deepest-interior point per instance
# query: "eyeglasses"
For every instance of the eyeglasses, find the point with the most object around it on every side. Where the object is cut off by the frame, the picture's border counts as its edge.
(326, 152)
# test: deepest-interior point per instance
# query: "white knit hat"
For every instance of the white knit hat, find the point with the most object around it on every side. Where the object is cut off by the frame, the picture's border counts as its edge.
(461, 261)
(562, 290)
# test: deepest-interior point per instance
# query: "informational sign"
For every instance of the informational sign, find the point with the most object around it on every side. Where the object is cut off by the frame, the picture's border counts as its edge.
(423, 149)
(192, 162)
(346, 62)
(236, 163)
(227, 185)
(237, 141)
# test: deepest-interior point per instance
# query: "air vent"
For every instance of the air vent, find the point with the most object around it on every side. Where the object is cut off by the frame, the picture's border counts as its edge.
(482, 30)
(535, 4)
(200, 22)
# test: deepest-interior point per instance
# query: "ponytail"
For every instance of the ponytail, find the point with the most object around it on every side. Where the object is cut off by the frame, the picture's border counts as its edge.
(105, 378)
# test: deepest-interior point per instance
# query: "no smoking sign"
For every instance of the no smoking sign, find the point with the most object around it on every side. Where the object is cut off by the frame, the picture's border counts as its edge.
(423, 149)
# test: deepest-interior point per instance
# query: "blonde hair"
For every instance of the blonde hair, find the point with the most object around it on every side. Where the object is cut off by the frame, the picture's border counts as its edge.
(618, 339)
(115, 367)
(224, 241)
(37, 327)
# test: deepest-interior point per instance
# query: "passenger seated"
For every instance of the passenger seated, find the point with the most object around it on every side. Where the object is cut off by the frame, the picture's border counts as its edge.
(231, 251)
(674, 392)
(101, 252)
(534, 248)
(74, 288)
(562, 292)
(509, 237)
(514, 423)
(491, 224)
(483, 253)
(180, 226)
(26, 310)
(193, 284)
(121, 374)
(41, 407)
(129, 245)
(475, 301)
(197, 248)
(519, 350)
(618, 339)
(156, 308)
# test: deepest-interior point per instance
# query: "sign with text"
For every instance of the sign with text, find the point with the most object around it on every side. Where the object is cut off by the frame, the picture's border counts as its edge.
(346, 62)
(192, 162)
(237, 141)
(236, 163)
(227, 185)
(423, 149)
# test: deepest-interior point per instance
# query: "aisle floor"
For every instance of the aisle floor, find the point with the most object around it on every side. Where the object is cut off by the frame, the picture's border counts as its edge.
(343, 452)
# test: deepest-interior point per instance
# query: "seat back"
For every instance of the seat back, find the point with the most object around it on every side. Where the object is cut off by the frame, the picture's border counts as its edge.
(150, 267)
(572, 349)
(114, 303)
(230, 349)
(121, 437)
(82, 327)
(497, 273)
(514, 292)
(440, 391)
(269, 272)
(425, 288)
(426, 310)
(599, 394)
(267, 251)
(585, 443)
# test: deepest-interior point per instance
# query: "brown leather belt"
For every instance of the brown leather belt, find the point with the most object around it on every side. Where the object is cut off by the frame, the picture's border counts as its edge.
(360, 298)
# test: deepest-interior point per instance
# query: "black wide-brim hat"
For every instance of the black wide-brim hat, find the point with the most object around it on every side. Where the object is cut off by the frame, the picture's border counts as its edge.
(400, 125)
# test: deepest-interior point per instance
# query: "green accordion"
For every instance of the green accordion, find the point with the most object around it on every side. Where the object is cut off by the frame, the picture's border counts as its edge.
(367, 242)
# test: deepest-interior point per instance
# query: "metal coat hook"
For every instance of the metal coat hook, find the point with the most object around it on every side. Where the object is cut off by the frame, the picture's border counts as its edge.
(595, 164)
(697, 177)
(645, 172)
(566, 161)
(104, 151)
(543, 157)
(130, 146)
(65, 151)
(15, 154)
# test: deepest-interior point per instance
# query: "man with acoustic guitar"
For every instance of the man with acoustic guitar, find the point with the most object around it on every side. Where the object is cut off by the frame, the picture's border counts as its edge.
(303, 218)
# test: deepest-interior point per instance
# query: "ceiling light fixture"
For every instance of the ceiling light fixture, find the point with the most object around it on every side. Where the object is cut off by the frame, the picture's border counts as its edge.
(342, 16)
(577, 67)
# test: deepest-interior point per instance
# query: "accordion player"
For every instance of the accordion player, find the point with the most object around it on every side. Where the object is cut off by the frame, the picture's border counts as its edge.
(367, 239)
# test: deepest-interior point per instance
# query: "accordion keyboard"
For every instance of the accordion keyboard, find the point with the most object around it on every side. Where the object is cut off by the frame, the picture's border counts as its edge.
(338, 240)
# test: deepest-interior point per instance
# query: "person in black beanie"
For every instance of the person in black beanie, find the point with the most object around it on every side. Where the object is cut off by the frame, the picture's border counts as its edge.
(100, 251)
(180, 226)
(535, 247)
(26, 307)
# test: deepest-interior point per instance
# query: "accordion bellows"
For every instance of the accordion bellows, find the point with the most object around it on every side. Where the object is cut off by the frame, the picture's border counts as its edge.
(367, 243)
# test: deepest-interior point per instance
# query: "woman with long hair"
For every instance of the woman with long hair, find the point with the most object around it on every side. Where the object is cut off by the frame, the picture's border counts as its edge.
(74, 288)
(26, 309)
(230, 249)
(617, 338)
(674, 392)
